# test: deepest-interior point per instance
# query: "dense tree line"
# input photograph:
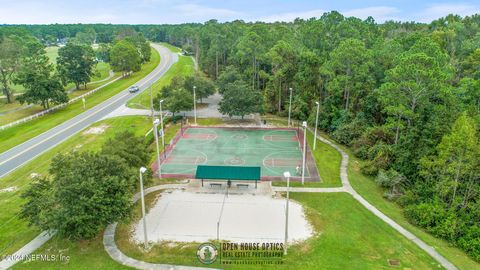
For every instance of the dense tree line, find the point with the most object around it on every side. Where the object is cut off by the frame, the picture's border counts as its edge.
(404, 96)
(23, 61)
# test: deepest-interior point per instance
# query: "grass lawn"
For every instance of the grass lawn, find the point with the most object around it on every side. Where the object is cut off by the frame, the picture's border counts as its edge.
(19, 114)
(14, 232)
(368, 189)
(207, 121)
(328, 164)
(349, 237)
(171, 47)
(23, 132)
(102, 70)
(52, 53)
(183, 67)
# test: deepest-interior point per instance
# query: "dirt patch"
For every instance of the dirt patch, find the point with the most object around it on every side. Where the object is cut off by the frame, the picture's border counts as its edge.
(96, 130)
(8, 189)
(393, 262)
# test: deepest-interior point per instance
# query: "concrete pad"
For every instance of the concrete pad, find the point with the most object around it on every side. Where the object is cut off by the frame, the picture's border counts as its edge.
(184, 216)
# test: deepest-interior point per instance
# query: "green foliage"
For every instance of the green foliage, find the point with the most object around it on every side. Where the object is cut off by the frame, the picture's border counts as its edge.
(10, 55)
(76, 64)
(446, 201)
(41, 87)
(87, 192)
(103, 52)
(204, 86)
(230, 75)
(239, 99)
(129, 147)
(394, 183)
(141, 44)
(124, 57)
(84, 38)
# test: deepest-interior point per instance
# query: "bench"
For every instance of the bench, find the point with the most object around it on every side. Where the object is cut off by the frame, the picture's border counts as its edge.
(215, 185)
(242, 185)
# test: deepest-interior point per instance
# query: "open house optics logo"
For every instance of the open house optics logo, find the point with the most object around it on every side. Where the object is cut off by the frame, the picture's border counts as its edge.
(207, 253)
(241, 253)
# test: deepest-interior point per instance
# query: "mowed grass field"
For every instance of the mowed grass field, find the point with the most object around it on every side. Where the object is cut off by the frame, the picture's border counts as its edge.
(23, 132)
(368, 189)
(348, 237)
(14, 232)
(346, 232)
(184, 67)
(14, 111)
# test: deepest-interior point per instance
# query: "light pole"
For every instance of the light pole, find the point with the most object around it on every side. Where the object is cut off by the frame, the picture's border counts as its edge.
(290, 106)
(304, 150)
(161, 125)
(287, 175)
(145, 239)
(194, 104)
(316, 125)
(155, 129)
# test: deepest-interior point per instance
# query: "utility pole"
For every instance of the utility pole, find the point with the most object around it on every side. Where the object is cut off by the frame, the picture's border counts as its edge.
(304, 150)
(194, 104)
(316, 125)
(142, 195)
(287, 175)
(290, 106)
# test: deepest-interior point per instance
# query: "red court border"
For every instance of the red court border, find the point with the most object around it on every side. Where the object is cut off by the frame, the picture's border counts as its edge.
(310, 162)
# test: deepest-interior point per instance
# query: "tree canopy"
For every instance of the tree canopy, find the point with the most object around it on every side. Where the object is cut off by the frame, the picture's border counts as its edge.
(124, 57)
(76, 63)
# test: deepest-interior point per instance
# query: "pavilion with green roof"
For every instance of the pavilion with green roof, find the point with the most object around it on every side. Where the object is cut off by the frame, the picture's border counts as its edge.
(228, 173)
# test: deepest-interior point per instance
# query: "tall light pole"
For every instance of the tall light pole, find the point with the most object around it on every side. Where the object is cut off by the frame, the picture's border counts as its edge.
(316, 125)
(290, 106)
(161, 125)
(145, 239)
(287, 175)
(304, 150)
(194, 104)
(151, 102)
(155, 130)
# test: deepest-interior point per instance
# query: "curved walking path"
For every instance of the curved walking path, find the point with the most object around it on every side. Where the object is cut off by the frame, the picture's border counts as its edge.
(348, 188)
(120, 257)
(117, 255)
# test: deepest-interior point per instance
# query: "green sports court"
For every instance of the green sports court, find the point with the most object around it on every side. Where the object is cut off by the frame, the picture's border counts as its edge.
(274, 150)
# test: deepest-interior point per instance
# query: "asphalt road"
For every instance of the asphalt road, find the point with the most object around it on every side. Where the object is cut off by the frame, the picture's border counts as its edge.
(23, 153)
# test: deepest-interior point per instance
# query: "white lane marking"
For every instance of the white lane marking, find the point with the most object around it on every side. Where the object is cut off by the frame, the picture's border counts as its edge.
(64, 129)
(55, 144)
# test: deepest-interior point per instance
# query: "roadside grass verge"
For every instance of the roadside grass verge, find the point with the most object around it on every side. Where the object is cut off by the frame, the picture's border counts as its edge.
(19, 114)
(14, 232)
(368, 189)
(348, 235)
(171, 47)
(13, 136)
(184, 67)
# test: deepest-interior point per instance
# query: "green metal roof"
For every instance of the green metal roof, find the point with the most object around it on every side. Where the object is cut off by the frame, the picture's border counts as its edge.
(227, 172)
